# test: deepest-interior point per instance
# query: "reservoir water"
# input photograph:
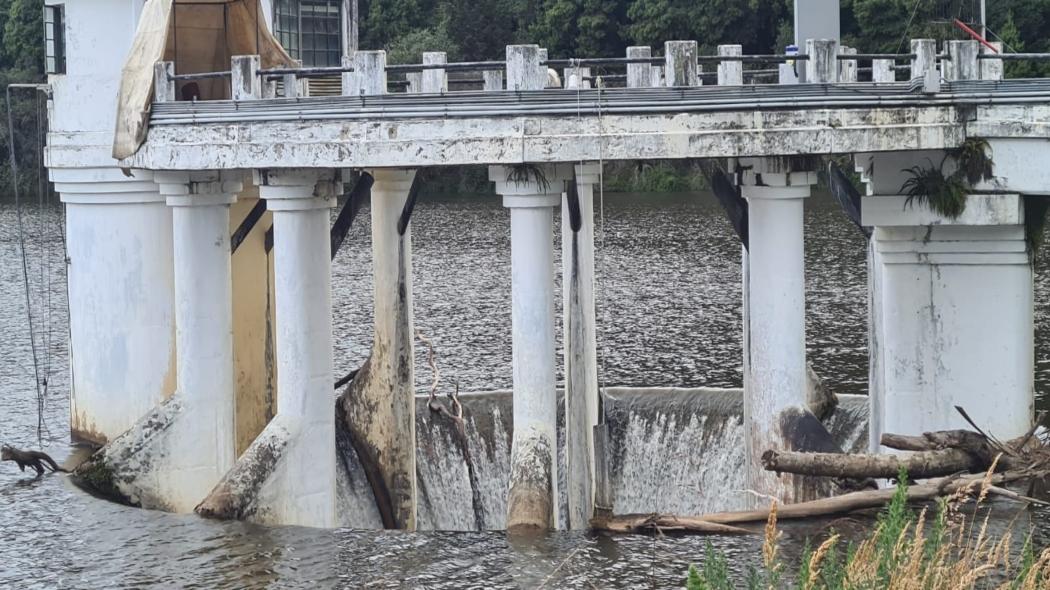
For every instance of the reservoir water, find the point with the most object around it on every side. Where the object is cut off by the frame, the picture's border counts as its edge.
(669, 314)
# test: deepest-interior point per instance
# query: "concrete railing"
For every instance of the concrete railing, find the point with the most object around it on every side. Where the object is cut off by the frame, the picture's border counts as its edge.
(830, 62)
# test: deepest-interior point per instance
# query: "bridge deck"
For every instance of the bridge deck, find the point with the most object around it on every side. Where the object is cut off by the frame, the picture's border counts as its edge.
(571, 125)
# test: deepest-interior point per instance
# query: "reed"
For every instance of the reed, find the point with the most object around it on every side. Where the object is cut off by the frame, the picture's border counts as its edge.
(905, 551)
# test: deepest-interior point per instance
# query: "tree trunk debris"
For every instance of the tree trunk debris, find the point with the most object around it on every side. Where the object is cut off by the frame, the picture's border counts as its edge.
(948, 462)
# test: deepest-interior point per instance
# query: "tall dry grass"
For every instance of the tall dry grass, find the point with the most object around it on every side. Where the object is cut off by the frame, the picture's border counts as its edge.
(905, 551)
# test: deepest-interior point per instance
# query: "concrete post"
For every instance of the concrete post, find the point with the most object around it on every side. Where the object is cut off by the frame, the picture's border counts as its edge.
(822, 66)
(434, 81)
(847, 67)
(992, 69)
(163, 85)
(245, 81)
(301, 487)
(681, 65)
(580, 346)
(415, 82)
(523, 68)
(201, 448)
(290, 84)
(369, 75)
(492, 79)
(121, 298)
(882, 71)
(962, 61)
(532, 501)
(955, 317)
(576, 77)
(656, 77)
(776, 386)
(730, 72)
(925, 52)
(639, 75)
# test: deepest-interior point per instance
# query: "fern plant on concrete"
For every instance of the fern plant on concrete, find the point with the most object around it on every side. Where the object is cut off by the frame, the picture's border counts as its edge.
(946, 193)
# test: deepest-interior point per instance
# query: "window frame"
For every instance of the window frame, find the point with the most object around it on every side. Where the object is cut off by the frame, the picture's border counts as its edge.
(54, 39)
(314, 33)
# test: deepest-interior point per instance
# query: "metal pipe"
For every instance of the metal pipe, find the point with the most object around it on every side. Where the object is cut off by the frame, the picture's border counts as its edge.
(199, 76)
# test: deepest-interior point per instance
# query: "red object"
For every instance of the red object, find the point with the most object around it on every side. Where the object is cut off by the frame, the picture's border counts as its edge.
(974, 34)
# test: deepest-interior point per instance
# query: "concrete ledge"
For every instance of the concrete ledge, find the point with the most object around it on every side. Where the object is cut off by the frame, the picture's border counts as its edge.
(891, 210)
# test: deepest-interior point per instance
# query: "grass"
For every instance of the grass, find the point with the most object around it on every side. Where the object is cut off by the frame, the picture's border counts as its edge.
(905, 551)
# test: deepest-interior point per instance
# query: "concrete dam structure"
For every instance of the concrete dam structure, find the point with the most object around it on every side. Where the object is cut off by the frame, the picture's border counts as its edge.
(200, 237)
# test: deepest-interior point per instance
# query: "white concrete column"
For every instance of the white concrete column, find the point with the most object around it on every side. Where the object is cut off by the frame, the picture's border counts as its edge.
(492, 80)
(991, 68)
(434, 81)
(301, 489)
(533, 496)
(962, 61)
(523, 68)
(882, 71)
(580, 344)
(776, 339)
(639, 75)
(847, 67)
(202, 446)
(369, 75)
(822, 67)
(730, 71)
(955, 315)
(121, 298)
(681, 67)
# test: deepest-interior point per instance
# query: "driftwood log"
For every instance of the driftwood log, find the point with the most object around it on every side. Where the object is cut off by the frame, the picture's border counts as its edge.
(710, 523)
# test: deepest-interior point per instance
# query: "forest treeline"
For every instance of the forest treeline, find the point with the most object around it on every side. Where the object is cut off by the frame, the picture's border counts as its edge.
(480, 29)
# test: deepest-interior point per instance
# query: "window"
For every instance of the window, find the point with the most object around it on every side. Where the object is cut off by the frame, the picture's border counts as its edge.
(54, 39)
(310, 30)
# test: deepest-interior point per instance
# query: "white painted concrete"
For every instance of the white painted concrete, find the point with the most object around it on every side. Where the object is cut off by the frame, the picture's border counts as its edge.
(730, 72)
(680, 66)
(200, 447)
(534, 480)
(776, 338)
(954, 317)
(552, 139)
(391, 427)
(962, 62)
(580, 348)
(301, 488)
(639, 75)
(121, 298)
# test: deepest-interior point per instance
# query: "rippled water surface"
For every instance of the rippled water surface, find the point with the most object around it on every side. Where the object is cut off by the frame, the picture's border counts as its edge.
(669, 314)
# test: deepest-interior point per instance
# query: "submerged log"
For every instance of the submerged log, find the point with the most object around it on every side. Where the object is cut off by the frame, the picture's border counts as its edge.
(638, 523)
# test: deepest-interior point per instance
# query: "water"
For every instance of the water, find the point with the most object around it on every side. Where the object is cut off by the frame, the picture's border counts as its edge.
(669, 299)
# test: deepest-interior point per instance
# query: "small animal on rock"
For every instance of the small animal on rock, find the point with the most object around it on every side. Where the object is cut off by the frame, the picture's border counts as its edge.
(34, 459)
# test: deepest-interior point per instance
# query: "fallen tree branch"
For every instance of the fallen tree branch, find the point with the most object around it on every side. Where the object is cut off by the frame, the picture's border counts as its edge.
(925, 491)
(459, 426)
(921, 465)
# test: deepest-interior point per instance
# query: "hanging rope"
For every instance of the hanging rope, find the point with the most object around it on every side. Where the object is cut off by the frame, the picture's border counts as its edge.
(41, 383)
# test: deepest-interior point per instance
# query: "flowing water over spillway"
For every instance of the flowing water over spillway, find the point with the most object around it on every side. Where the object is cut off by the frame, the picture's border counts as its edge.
(669, 315)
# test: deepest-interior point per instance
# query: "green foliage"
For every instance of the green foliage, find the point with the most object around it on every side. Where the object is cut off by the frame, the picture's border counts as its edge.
(944, 194)
(662, 176)
(891, 549)
(409, 47)
(973, 160)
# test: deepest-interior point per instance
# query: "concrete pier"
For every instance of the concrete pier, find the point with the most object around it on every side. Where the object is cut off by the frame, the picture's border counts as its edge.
(533, 480)
(580, 344)
(121, 298)
(287, 476)
(379, 402)
(775, 383)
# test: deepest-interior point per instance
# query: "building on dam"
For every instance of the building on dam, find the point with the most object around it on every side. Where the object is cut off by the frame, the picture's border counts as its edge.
(202, 148)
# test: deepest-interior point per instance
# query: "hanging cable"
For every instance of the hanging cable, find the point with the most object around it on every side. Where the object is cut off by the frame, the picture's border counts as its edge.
(22, 247)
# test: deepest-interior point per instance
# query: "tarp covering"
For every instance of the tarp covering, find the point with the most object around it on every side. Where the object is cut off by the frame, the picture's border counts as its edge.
(199, 36)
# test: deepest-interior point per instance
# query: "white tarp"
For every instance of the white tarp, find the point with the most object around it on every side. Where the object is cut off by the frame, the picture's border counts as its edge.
(199, 37)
